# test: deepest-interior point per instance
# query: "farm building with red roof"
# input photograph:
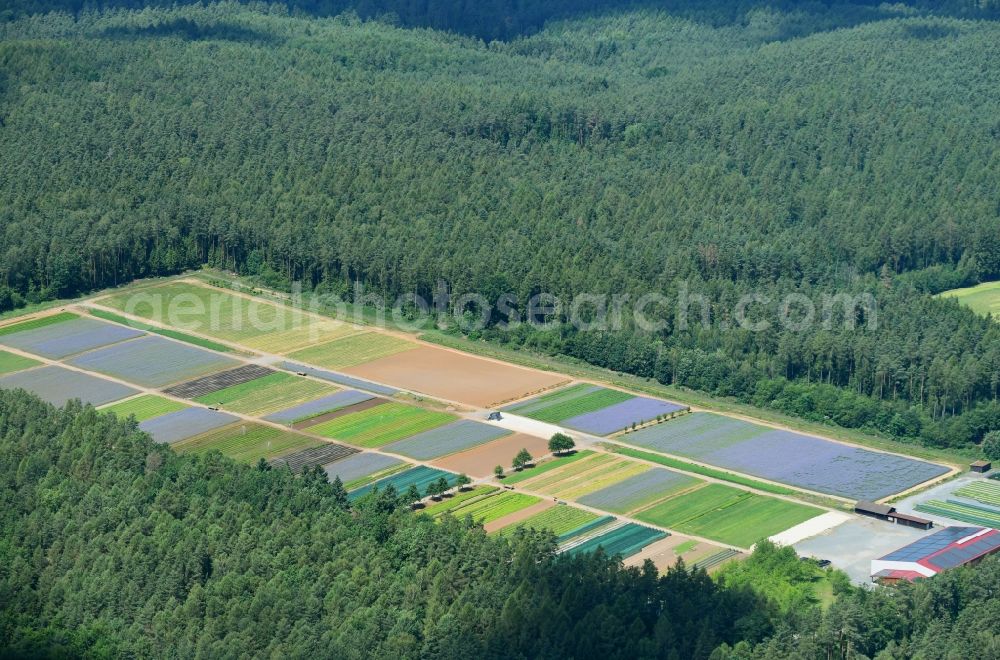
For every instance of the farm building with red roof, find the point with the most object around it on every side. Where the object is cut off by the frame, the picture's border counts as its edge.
(948, 548)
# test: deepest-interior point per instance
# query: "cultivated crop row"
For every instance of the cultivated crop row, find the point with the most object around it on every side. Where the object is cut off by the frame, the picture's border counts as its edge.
(381, 425)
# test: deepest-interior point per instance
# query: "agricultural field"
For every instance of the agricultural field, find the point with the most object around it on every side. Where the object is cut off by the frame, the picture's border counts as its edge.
(585, 529)
(247, 442)
(361, 465)
(447, 439)
(983, 299)
(974, 514)
(176, 426)
(165, 332)
(687, 466)
(625, 540)
(152, 361)
(69, 336)
(666, 552)
(58, 385)
(480, 460)
(594, 409)
(274, 392)
(193, 389)
(639, 491)
(547, 466)
(318, 407)
(559, 520)
(448, 504)
(228, 316)
(987, 492)
(340, 379)
(353, 350)
(35, 323)
(727, 514)
(493, 508)
(9, 363)
(454, 376)
(792, 458)
(381, 425)
(312, 457)
(144, 407)
(420, 476)
(585, 476)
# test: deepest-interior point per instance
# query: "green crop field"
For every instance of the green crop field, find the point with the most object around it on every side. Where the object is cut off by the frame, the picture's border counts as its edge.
(493, 508)
(143, 407)
(968, 513)
(165, 332)
(34, 324)
(256, 323)
(728, 515)
(266, 395)
(381, 425)
(353, 350)
(579, 405)
(547, 466)
(9, 363)
(566, 471)
(247, 443)
(714, 473)
(552, 398)
(576, 486)
(457, 500)
(983, 299)
(558, 520)
(985, 491)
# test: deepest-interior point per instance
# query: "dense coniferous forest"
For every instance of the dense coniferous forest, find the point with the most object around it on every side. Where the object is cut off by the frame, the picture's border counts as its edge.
(116, 546)
(722, 148)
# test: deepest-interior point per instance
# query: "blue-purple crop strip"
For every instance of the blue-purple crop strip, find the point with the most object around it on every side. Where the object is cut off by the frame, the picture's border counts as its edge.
(340, 379)
(69, 337)
(447, 439)
(634, 491)
(58, 385)
(786, 457)
(359, 465)
(621, 415)
(186, 423)
(153, 361)
(318, 407)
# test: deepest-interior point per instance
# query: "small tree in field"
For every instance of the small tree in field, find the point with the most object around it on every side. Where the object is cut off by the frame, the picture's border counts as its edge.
(498, 472)
(462, 481)
(434, 490)
(560, 443)
(413, 494)
(442, 486)
(522, 459)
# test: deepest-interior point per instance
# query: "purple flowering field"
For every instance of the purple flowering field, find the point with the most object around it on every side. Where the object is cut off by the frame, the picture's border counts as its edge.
(638, 491)
(58, 385)
(153, 361)
(360, 465)
(185, 423)
(318, 407)
(786, 457)
(69, 337)
(621, 415)
(447, 439)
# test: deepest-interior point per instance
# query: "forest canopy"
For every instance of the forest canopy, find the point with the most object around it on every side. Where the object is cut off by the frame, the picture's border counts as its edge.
(724, 148)
(116, 546)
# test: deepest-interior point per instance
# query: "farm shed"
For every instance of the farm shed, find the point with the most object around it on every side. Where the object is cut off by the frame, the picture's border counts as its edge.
(889, 513)
(981, 466)
(928, 556)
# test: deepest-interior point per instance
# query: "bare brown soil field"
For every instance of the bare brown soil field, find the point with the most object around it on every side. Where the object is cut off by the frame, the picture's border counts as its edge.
(456, 376)
(480, 461)
(518, 516)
